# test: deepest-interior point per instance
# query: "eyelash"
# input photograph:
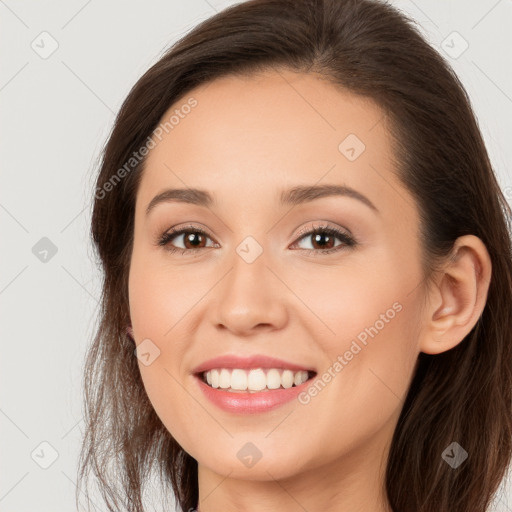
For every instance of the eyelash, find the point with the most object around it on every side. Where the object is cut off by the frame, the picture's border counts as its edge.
(348, 240)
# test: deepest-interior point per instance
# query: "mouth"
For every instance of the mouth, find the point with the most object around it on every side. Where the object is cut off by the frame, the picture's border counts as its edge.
(254, 380)
(251, 384)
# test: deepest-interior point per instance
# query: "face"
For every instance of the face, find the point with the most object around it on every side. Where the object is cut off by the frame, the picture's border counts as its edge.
(326, 280)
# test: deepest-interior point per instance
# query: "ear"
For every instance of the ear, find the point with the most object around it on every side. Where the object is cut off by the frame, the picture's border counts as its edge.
(129, 331)
(458, 296)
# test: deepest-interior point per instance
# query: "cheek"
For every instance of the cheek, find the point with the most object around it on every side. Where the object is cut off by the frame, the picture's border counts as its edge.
(368, 323)
(373, 304)
(369, 342)
(353, 301)
(169, 398)
(164, 300)
(158, 300)
(159, 294)
(369, 364)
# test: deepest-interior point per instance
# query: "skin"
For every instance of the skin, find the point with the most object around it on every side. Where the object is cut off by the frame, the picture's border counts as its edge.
(247, 139)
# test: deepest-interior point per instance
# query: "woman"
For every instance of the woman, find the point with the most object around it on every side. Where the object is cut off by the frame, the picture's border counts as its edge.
(307, 274)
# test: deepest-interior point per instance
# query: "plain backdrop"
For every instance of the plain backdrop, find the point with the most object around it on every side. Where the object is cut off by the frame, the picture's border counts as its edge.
(66, 68)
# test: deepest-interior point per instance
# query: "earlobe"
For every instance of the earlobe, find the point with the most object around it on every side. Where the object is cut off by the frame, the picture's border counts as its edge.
(129, 332)
(458, 297)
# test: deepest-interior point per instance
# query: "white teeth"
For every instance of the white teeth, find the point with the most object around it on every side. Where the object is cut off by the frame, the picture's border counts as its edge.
(215, 378)
(255, 379)
(287, 379)
(225, 379)
(273, 379)
(238, 380)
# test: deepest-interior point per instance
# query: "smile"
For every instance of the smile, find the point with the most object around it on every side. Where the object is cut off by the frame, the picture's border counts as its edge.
(238, 380)
(250, 384)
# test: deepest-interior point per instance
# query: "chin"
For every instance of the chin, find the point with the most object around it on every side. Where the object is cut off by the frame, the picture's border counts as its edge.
(247, 464)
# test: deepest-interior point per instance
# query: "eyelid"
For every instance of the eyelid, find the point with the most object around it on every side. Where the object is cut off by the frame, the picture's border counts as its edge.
(323, 224)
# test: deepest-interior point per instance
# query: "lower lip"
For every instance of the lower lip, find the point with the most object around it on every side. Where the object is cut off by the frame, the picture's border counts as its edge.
(250, 403)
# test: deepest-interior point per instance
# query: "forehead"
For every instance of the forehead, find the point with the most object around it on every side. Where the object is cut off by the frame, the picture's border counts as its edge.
(251, 135)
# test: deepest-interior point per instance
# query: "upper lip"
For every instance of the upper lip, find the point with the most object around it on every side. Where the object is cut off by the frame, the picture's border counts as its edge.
(252, 361)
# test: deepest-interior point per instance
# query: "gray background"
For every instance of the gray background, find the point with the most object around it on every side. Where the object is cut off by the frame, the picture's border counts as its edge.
(57, 111)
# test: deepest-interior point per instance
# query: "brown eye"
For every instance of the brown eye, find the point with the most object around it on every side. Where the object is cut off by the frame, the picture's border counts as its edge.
(324, 240)
(190, 238)
(193, 238)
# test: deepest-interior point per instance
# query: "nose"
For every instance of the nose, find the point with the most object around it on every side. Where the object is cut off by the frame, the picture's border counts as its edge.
(250, 298)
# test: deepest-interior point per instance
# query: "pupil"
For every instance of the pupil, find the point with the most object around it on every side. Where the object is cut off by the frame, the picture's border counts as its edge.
(318, 238)
(191, 237)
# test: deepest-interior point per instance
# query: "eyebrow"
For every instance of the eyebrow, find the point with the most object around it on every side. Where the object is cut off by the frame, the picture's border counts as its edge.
(304, 194)
(293, 197)
(181, 195)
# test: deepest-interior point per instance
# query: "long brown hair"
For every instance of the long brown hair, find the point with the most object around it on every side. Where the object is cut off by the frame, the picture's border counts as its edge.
(372, 50)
